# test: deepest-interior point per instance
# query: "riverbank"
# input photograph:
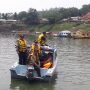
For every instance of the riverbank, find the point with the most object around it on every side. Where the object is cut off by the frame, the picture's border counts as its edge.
(56, 27)
(44, 27)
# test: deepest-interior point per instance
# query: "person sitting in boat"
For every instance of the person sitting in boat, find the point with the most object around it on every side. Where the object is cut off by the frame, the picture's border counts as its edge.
(48, 61)
(47, 64)
(34, 56)
(42, 37)
(22, 50)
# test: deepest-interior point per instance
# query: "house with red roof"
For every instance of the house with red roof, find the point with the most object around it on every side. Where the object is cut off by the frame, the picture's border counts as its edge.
(86, 18)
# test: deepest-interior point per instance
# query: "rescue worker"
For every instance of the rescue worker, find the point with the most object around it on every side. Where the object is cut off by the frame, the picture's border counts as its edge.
(34, 56)
(42, 38)
(22, 50)
(48, 62)
(43, 41)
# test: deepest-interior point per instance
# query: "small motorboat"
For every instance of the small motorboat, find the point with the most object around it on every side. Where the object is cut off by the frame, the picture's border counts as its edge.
(65, 33)
(28, 72)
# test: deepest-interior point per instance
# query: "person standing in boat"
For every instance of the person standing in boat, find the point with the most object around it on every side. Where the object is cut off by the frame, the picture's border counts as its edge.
(42, 39)
(22, 50)
(34, 56)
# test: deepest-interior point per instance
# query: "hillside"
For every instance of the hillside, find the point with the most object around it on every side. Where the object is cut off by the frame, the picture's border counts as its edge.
(45, 27)
(58, 27)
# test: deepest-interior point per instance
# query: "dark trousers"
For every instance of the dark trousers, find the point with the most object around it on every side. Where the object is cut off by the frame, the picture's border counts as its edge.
(22, 58)
(37, 70)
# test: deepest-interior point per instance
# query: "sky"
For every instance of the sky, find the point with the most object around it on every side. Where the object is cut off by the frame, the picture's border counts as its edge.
(11, 6)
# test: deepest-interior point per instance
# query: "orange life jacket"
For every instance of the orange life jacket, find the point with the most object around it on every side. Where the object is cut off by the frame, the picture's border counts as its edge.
(35, 51)
(39, 38)
(21, 45)
(42, 43)
(47, 65)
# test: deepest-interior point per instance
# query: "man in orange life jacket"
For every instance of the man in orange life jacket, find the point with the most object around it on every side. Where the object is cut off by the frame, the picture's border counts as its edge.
(22, 50)
(42, 39)
(34, 56)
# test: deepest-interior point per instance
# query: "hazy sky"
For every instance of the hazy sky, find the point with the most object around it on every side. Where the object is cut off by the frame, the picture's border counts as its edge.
(23, 5)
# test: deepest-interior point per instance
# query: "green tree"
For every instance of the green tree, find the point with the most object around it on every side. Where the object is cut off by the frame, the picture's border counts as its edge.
(4, 16)
(15, 16)
(85, 9)
(32, 17)
(22, 15)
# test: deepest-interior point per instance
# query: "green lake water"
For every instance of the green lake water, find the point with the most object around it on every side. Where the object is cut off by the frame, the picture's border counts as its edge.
(73, 68)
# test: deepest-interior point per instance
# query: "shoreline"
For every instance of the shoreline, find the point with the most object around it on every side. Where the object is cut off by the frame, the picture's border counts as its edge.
(43, 27)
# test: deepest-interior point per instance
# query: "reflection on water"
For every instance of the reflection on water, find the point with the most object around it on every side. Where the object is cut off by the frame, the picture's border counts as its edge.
(24, 85)
(74, 64)
(73, 67)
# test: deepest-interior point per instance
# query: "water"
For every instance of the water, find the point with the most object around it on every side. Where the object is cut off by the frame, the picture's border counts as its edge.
(73, 69)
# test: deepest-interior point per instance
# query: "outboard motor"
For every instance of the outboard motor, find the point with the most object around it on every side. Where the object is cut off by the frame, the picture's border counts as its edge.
(30, 71)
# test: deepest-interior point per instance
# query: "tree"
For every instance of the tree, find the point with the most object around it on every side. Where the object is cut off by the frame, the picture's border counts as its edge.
(22, 15)
(85, 9)
(15, 16)
(4, 16)
(32, 17)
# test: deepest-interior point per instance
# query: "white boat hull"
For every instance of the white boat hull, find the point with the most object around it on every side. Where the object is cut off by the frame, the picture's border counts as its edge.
(21, 71)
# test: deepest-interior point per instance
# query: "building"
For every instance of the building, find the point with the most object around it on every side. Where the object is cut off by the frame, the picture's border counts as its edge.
(86, 18)
(43, 21)
(9, 21)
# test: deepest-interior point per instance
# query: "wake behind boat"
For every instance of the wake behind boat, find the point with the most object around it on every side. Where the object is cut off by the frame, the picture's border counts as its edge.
(28, 72)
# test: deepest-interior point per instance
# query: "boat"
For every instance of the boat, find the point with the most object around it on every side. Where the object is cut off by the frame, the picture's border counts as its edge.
(65, 33)
(81, 34)
(28, 72)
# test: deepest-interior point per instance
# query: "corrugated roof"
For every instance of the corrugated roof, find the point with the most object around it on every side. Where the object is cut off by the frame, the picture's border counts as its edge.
(82, 31)
(86, 16)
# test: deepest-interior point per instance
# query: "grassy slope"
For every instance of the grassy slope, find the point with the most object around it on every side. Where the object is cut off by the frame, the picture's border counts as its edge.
(58, 27)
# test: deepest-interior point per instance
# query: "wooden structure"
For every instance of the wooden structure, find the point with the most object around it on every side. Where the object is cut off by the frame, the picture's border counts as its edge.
(80, 34)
